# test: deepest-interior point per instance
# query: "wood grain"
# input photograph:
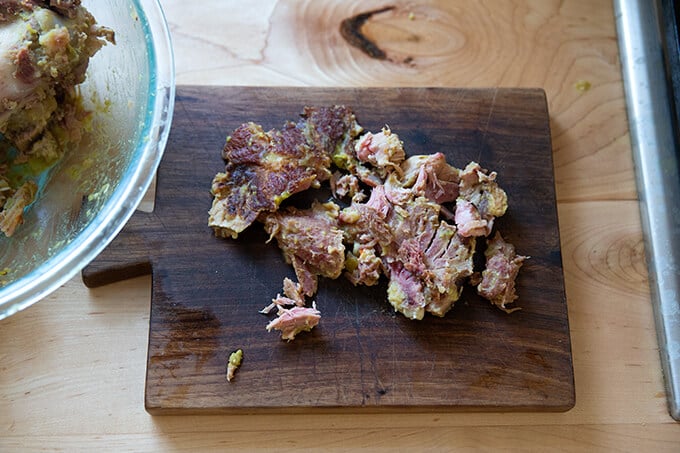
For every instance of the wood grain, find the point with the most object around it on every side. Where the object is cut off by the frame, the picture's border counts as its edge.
(471, 43)
(207, 290)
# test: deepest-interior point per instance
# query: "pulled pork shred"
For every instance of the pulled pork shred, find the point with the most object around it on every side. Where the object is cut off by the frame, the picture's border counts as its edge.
(502, 267)
(418, 228)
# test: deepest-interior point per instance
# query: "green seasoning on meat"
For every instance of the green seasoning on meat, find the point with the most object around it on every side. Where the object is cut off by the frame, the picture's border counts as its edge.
(44, 54)
(413, 220)
(234, 362)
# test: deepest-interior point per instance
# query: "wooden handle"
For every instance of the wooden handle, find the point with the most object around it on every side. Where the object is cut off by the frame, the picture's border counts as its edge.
(128, 255)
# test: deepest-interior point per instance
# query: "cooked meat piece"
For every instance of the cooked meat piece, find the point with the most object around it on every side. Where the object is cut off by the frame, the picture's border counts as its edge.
(405, 292)
(427, 262)
(345, 158)
(481, 200)
(293, 291)
(367, 235)
(329, 129)
(364, 269)
(45, 48)
(431, 177)
(295, 320)
(265, 168)
(417, 219)
(292, 296)
(364, 226)
(498, 279)
(469, 220)
(310, 240)
(383, 150)
(379, 202)
(412, 225)
(346, 186)
(394, 191)
(449, 259)
(12, 214)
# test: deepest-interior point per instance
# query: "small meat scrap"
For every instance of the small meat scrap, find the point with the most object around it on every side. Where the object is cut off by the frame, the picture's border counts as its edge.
(502, 267)
(12, 214)
(292, 296)
(265, 168)
(432, 177)
(235, 359)
(346, 186)
(295, 320)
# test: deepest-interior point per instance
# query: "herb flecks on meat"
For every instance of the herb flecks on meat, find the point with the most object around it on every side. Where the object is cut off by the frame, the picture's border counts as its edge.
(264, 168)
(412, 221)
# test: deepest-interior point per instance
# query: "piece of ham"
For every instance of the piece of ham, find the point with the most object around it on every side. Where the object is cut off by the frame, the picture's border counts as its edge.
(502, 267)
(265, 168)
(294, 320)
(428, 262)
(481, 200)
(469, 221)
(383, 150)
(310, 240)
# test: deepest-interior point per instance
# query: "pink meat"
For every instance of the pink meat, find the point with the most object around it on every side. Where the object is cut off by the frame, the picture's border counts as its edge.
(437, 180)
(502, 267)
(383, 150)
(310, 240)
(469, 220)
(295, 320)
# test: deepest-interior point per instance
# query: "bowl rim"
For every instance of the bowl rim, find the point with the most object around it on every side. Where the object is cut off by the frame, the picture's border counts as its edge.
(108, 222)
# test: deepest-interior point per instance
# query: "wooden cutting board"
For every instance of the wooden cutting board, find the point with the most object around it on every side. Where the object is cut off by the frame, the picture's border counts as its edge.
(207, 291)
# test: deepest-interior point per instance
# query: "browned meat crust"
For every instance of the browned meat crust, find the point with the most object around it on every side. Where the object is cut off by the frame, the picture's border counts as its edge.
(265, 168)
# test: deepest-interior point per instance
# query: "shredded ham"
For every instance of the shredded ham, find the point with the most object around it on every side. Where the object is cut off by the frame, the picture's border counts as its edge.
(417, 229)
(498, 279)
(295, 320)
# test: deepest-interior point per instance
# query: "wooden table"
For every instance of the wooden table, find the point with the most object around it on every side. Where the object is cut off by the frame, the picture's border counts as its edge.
(72, 367)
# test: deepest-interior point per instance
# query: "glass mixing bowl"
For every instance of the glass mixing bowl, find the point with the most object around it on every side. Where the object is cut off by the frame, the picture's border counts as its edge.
(85, 200)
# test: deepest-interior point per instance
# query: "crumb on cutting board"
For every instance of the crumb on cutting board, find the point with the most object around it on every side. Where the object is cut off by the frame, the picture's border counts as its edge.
(234, 362)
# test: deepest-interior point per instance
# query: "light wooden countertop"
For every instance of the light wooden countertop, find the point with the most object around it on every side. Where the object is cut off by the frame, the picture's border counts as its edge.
(72, 367)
